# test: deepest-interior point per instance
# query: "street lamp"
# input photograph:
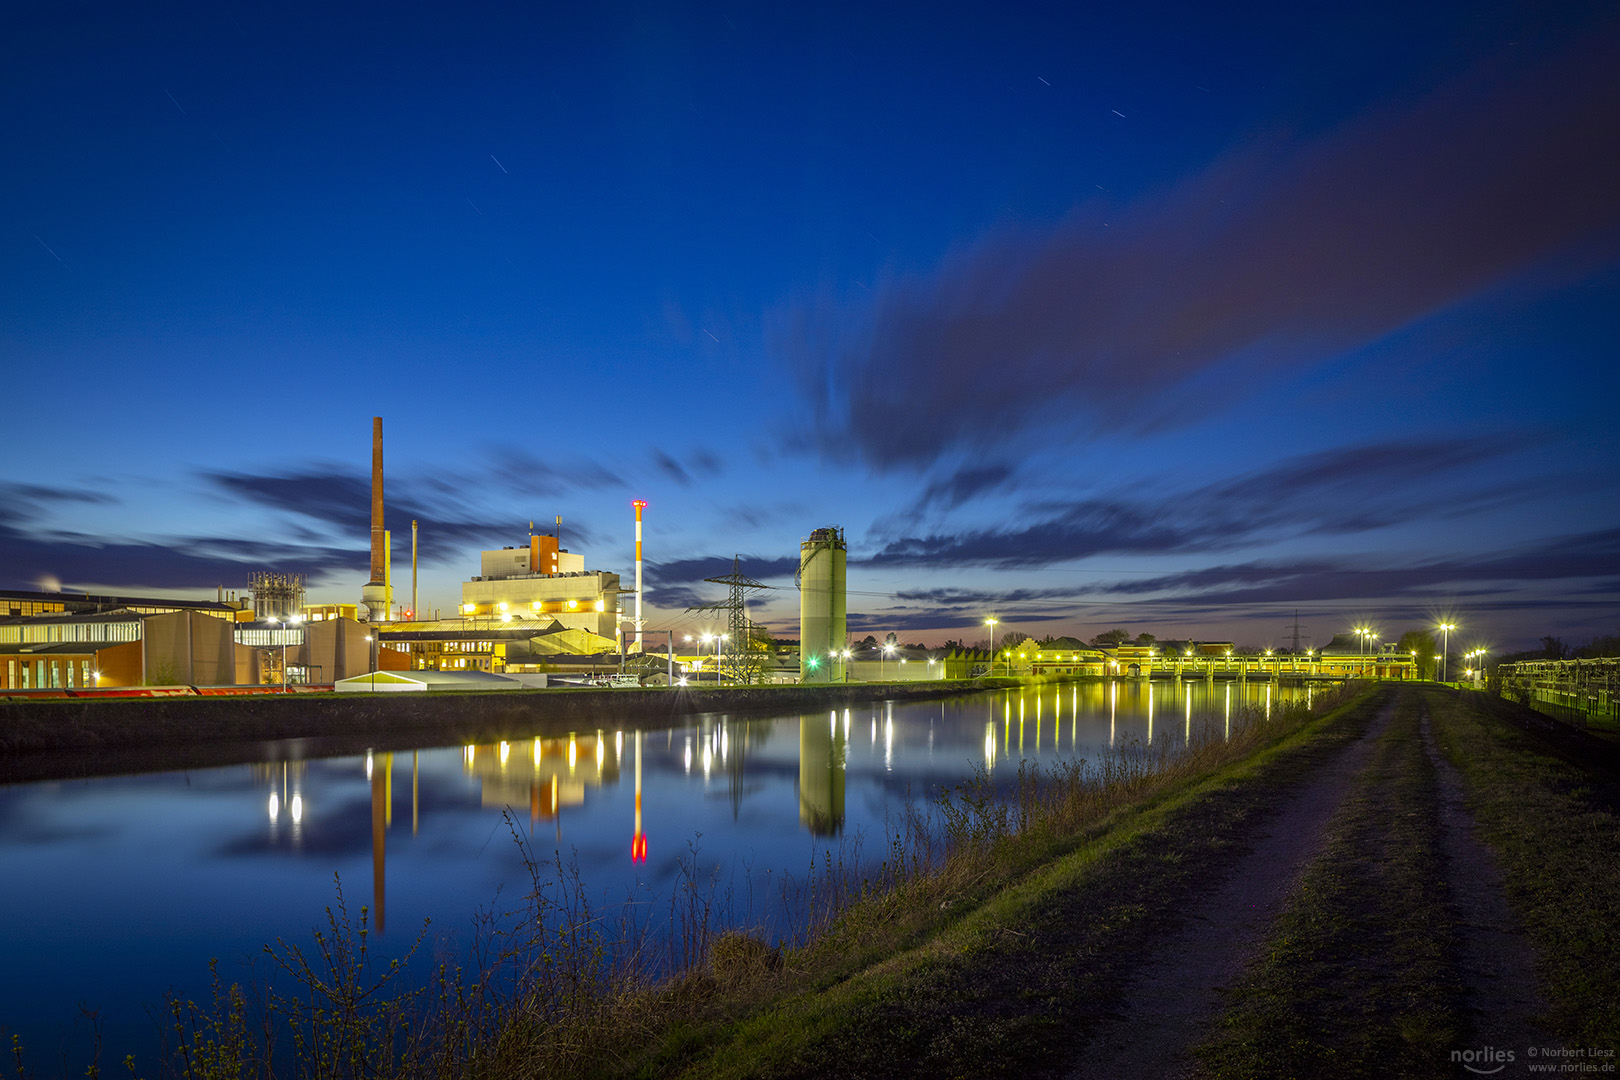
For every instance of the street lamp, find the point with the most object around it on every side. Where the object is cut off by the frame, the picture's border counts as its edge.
(1445, 646)
(991, 623)
(287, 624)
(888, 650)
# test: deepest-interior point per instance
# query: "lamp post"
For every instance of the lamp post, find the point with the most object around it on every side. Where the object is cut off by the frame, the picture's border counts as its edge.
(286, 624)
(991, 623)
(888, 649)
(1445, 646)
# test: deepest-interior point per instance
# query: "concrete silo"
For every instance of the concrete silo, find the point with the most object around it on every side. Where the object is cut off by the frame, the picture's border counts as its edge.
(822, 610)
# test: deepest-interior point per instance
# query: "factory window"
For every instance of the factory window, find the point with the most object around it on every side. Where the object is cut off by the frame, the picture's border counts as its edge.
(70, 674)
(11, 673)
(56, 675)
(84, 673)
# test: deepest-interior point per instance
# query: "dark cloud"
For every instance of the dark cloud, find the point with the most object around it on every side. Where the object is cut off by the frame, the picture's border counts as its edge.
(1341, 491)
(945, 620)
(33, 493)
(671, 468)
(691, 571)
(521, 471)
(1280, 253)
(31, 551)
(184, 563)
(965, 483)
(1571, 558)
(341, 499)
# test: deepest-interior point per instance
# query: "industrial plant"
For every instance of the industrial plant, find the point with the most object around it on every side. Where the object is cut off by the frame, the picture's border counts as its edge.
(535, 615)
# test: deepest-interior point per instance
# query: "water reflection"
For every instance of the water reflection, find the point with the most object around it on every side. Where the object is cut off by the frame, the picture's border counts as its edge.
(822, 764)
(217, 862)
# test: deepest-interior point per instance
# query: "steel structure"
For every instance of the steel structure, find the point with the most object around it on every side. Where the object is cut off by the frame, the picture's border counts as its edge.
(742, 663)
(1572, 690)
(276, 596)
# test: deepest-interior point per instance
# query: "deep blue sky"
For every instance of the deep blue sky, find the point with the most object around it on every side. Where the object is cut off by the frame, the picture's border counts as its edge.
(1169, 316)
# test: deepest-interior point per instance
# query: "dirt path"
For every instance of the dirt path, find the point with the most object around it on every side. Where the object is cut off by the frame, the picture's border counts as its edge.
(1504, 992)
(1176, 994)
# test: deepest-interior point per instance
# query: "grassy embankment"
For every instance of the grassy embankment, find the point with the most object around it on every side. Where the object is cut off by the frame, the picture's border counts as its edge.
(1006, 956)
(990, 941)
(1550, 812)
(1360, 975)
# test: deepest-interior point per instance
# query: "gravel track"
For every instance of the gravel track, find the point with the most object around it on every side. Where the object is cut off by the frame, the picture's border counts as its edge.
(1176, 995)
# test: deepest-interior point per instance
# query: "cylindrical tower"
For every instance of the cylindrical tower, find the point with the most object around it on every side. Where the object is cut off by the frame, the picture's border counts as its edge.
(822, 614)
(640, 505)
(374, 596)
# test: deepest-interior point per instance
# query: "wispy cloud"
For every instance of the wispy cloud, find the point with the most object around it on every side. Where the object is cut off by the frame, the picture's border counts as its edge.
(1335, 492)
(341, 500)
(1278, 253)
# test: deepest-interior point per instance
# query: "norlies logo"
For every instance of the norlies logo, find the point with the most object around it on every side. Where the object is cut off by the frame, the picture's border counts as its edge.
(1472, 1059)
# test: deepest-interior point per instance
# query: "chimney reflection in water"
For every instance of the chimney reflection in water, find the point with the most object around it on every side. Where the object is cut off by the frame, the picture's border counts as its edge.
(382, 816)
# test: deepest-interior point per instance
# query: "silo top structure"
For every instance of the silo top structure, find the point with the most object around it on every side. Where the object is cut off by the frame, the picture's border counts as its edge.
(822, 612)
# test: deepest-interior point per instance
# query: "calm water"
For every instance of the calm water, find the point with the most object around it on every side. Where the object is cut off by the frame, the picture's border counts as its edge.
(117, 890)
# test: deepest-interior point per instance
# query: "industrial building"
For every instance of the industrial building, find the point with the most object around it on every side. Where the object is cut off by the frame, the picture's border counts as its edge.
(22, 604)
(513, 588)
(823, 611)
(123, 648)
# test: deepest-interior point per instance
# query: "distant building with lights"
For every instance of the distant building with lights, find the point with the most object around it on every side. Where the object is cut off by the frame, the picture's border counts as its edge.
(528, 608)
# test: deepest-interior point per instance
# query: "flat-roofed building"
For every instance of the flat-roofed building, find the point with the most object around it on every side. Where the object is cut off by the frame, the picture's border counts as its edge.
(122, 648)
(540, 583)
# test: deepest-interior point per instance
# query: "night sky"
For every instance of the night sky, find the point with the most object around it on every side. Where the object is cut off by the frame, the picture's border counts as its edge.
(1176, 317)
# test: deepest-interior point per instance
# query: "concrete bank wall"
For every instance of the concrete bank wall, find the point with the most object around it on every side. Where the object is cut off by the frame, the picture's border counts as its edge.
(60, 738)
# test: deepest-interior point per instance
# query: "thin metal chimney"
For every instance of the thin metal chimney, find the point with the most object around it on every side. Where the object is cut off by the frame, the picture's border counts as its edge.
(639, 504)
(378, 541)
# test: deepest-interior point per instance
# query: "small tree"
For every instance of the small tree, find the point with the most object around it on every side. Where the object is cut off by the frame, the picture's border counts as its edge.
(1420, 644)
(1117, 636)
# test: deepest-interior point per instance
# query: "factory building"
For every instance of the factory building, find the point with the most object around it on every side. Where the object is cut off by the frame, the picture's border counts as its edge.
(123, 648)
(540, 583)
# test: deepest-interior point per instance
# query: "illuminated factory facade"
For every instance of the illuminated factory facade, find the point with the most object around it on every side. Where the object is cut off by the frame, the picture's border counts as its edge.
(542, 583)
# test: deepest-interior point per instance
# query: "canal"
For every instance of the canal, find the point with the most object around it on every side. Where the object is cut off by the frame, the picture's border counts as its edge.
(120, 889)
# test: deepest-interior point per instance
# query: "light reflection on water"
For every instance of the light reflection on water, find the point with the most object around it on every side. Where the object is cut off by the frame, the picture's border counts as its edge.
(119, 889)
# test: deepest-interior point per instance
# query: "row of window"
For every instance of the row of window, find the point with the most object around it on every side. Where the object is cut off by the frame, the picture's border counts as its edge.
(47, 674)
(49, 632)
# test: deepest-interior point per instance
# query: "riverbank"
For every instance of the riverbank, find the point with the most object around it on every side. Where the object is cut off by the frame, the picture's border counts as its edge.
(1451, 870)
(63, 739)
